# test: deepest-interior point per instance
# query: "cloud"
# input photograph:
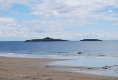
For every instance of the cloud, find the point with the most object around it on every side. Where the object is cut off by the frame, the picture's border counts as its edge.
(78, 11)
(8, 20)
(7, 4)
(12, 28)
(99, 34)
(52, 16)
(8, 27)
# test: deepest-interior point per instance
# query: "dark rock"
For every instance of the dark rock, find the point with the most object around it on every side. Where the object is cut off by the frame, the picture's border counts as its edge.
(79, 53)
(101, 55)
(105, 68)
(89, 68)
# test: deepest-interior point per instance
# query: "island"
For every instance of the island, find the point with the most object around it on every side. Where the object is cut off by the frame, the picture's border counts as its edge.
(44, 39)
(90, 40)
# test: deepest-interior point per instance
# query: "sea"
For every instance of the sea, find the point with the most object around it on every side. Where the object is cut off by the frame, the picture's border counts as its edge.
(97, 54)
(59, 49)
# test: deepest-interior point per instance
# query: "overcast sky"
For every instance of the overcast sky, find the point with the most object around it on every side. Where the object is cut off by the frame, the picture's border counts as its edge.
(65, 19)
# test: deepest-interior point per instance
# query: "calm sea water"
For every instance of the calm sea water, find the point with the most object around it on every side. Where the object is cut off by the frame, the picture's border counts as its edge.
(59, 49)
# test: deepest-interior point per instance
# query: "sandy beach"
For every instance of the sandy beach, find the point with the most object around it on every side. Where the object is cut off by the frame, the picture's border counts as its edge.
(36, 69)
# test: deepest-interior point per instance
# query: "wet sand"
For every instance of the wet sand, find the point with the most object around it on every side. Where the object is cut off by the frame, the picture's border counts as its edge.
(107, 66)
(37, 69)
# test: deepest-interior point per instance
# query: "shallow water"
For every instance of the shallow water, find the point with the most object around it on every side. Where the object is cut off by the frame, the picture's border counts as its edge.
(90, 62)
(98, 66)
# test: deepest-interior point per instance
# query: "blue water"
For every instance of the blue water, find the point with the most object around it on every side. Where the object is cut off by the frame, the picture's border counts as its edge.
(57, 49)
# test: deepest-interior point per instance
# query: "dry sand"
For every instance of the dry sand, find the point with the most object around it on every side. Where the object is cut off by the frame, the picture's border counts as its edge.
(32, 69)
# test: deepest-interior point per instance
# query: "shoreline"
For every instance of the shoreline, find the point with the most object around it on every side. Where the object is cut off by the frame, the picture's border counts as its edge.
(95, 66)
(38, 69)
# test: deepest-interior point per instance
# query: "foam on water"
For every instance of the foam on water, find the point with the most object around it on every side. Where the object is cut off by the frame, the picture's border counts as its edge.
(20, 55)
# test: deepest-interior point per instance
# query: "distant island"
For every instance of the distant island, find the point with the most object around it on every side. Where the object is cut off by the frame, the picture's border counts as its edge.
(90, 40)
(44, 39)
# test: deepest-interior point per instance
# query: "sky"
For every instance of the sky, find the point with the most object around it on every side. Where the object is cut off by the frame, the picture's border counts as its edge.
(63, 19)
